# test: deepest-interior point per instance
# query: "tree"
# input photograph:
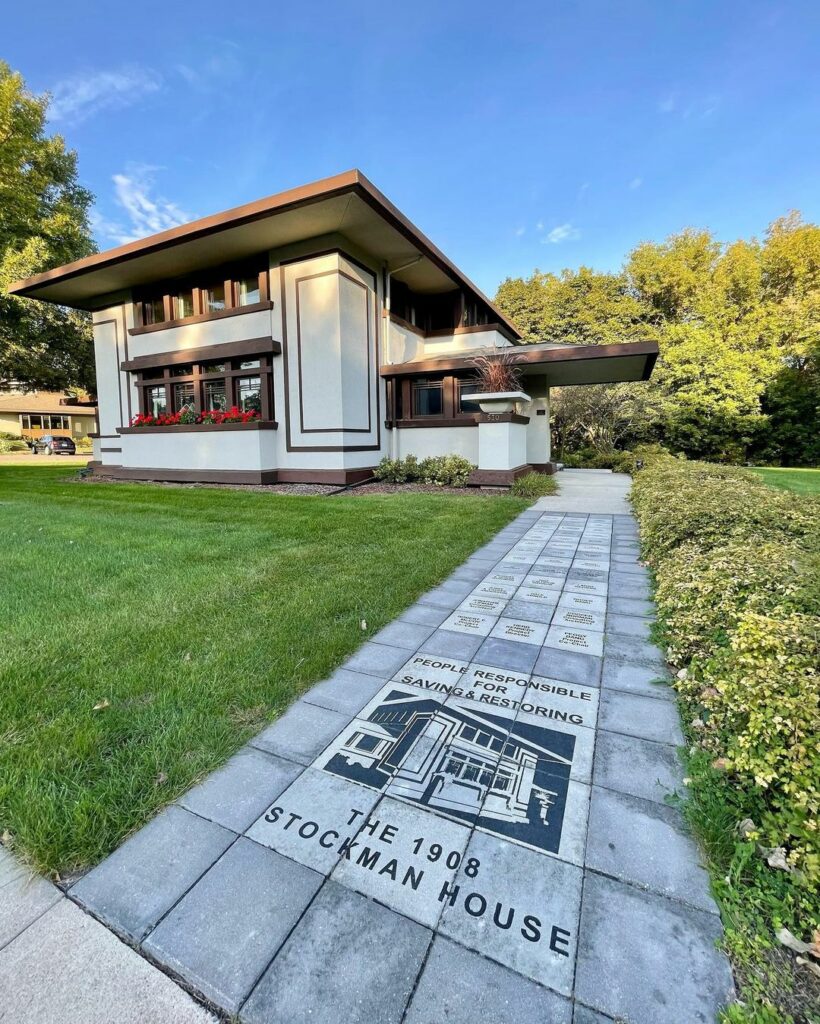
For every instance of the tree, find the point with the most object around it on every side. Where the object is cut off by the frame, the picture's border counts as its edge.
(43, 223)
(738, 327)
(580, 307)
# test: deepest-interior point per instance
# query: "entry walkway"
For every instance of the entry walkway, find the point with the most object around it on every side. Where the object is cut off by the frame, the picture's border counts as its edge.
(468, 820)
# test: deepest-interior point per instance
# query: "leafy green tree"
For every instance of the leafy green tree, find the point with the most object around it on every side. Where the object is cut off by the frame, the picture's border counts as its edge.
(43, 223)
(578, 307)
(737, 325)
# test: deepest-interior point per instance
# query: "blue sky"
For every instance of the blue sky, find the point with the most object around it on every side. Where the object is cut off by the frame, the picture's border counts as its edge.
(516, 135)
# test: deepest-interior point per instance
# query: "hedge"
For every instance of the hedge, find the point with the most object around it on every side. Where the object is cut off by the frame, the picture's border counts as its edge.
(737, 571)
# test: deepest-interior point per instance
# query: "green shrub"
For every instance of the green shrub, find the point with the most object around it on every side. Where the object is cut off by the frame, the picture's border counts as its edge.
(446, 470)
(533, 485)
(592, 458)
(12, 444)
(439, 470)
(737, 567)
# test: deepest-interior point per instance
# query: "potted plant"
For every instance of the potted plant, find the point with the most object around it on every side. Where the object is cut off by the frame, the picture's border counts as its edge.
(499, 382)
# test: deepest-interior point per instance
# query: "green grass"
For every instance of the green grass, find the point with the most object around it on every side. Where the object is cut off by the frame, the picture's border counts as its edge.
(802, 481)
(198, 615)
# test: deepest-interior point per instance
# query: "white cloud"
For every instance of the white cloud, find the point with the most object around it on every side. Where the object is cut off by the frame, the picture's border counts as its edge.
(539, 226)
(561, 233)
(80, 96)
(519, 232)
(147, 213)
(636, 183)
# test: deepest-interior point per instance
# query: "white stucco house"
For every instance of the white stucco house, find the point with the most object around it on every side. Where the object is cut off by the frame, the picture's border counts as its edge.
(337, 331)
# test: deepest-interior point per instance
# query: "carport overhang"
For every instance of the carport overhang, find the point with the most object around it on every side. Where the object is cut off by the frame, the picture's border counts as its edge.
(562, 365)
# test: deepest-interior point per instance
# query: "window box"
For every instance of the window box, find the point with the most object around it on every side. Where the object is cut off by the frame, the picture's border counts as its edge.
(179, 428)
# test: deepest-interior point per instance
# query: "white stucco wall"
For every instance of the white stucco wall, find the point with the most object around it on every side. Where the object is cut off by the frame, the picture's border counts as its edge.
(426, 441)
(502, 445)
(244, 450)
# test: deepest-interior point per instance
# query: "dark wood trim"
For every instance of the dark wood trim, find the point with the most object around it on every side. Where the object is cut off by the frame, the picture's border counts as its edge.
(496, 477)
(437, 421)
(445, 332)
(198, 428)
(334, 250)
(524, 355)
(200, 318)
(338, 477)
(227, 350)
(112, 437)
(502, 417)
(342, 477)
(547, 468)
(187, 476)
(111, 449)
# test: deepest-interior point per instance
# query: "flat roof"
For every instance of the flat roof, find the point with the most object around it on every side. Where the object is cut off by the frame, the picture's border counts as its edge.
(347, 204)
(562, 364)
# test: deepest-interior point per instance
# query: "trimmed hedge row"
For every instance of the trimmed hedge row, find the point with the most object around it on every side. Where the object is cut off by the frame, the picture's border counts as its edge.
(737, 568)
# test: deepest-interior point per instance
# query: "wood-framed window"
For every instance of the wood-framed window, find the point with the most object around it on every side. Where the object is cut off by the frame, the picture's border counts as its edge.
(432, 400)
(211, 294)
(207, 386)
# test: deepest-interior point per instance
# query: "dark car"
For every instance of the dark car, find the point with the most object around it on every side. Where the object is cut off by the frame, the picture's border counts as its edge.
(54, 444)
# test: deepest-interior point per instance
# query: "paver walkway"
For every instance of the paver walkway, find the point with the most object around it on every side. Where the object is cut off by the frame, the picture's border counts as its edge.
(467, 821)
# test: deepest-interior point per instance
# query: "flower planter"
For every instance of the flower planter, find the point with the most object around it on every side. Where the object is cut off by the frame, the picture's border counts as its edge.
(494, 402)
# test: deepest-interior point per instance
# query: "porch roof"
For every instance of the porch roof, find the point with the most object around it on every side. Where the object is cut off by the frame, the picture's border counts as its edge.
(562, 364)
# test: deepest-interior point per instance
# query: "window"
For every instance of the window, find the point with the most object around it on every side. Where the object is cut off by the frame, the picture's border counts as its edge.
(465, 388)
(215, 397)
(503, 781)
(249, 394)
(248, 291)
(155, 400)
(468, 732)
(229, 288)
(215, 297)
(428, 397)
(183, 397)
(208, 387)
(184, 304)
(153, 311)
(367, 743)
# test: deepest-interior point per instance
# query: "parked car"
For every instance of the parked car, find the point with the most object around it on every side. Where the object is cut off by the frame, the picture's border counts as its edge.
(54, 444)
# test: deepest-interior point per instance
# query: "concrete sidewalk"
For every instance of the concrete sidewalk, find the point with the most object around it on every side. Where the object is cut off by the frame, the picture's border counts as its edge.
(589, 490)
(468, 820)
(60, 966)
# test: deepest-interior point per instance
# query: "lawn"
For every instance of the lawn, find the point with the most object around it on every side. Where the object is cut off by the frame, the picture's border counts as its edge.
(149, 631)
(802, 481)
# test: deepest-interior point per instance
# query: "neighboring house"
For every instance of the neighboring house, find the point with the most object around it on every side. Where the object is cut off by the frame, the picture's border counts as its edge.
(328, 317)
(32, 414)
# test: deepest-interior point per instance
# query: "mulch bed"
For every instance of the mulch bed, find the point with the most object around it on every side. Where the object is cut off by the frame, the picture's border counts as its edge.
(310, 490)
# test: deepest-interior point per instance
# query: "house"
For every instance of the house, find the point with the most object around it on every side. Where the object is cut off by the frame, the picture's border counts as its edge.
(461, 762)
(333, 326)
(32, 414)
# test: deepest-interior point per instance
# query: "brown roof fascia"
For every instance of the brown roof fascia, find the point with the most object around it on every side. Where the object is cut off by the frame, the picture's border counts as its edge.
(524, 355)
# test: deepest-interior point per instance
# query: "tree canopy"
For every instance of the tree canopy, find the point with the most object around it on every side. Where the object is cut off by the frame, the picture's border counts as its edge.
(43, 223)
(739, 332)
